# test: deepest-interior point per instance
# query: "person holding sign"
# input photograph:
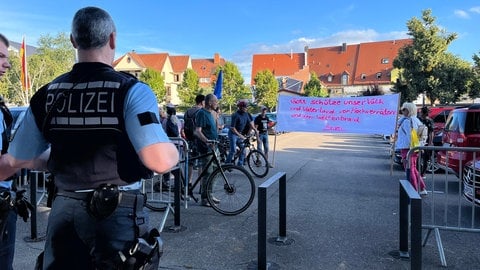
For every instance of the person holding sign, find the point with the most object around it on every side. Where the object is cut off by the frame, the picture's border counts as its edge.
(408, 122)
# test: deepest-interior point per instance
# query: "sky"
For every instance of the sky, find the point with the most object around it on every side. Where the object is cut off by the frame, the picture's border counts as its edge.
(239, 29)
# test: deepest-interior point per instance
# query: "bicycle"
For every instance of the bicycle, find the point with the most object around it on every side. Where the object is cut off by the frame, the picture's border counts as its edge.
(230, 188)
(256, 160)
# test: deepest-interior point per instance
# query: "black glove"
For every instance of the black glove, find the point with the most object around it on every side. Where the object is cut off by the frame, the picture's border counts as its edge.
(23, 205)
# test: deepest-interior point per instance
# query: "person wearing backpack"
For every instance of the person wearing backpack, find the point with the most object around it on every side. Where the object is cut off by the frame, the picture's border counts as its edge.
(189, 129)
(410, 121)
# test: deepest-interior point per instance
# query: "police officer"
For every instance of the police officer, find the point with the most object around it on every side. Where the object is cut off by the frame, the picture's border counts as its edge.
(104, 135)
(8, 217)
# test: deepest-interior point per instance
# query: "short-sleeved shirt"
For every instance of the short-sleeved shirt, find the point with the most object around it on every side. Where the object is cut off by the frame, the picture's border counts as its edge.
(205, 120)
(29, 141)
(3, 184)
(262, 123)
(240, 121)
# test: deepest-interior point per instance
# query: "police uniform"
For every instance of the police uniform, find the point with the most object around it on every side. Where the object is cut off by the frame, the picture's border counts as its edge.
(8, 216)
(95, 120)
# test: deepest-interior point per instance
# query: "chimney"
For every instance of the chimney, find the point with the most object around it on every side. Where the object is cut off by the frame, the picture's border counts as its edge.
(305, 49)
(216, 58)
(344, 47)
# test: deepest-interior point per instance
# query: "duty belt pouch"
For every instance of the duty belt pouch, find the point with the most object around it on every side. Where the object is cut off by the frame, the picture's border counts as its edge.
(104, 201)
(5, 206)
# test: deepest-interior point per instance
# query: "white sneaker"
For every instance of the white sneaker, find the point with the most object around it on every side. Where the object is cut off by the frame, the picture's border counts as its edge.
(423, 192)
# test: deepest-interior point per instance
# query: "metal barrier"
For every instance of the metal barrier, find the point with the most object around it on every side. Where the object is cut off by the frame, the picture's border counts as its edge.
(35, 177)
(445, 207)
(262, 218)
(410, 202)
(170, 199)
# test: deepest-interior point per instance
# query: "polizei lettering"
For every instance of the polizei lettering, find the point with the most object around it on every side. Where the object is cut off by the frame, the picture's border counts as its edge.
(87, 104)
(83, 102)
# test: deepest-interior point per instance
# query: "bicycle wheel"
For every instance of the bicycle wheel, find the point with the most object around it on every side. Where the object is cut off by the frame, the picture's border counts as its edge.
(257, 163)
(233, 195)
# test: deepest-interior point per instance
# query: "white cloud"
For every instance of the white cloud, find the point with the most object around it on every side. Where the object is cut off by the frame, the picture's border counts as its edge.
(475, 9)
(461, 14)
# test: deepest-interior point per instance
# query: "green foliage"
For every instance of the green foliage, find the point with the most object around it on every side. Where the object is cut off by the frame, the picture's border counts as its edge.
(266, 89)
(314, 87)
(373, 90)
(475, 86)
(418, 62)
(233, 87)
(454, 77)
(55, 55)
(155, 80)
(189, 88)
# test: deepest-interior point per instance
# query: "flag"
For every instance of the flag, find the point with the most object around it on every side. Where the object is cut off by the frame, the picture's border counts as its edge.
(24, 72)
(218, 85)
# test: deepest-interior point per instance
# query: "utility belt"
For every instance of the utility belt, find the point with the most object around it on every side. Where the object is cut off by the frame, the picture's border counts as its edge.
(103, 200)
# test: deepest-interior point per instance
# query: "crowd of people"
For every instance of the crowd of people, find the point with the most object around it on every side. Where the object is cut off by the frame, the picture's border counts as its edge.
(97, 213)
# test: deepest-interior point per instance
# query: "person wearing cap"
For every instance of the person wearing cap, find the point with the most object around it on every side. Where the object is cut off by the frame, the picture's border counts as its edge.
(262, 123)
(242, 124)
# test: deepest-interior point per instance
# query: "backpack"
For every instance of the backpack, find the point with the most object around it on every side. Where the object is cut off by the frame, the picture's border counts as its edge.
(189, 125)
(422, 132)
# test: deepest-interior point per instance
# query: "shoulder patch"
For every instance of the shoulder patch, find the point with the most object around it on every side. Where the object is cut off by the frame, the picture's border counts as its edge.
(147, 118)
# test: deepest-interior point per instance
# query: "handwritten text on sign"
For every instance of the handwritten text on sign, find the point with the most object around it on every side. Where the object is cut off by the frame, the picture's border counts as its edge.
(366, 115)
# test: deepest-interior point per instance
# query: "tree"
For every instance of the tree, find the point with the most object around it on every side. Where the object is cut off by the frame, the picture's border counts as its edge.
(233, 88)
(418, 61)
(266, 88)
(54, 56)
(475, 86)
(155, 80)
(373, 90)
(454, 77)
(314, 87)
(189, 88)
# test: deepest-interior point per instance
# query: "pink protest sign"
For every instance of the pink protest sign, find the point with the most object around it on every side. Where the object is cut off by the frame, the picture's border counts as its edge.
(364, 115)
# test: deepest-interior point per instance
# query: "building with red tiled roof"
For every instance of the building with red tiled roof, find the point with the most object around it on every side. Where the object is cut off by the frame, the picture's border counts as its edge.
(172, 68)
(344, 70)
(205, 69)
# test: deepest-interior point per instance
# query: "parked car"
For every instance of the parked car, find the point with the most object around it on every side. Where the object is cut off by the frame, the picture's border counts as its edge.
(462, 129)
(471, 181)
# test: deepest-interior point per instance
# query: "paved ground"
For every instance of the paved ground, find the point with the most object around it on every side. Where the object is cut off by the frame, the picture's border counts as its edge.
(342, 205)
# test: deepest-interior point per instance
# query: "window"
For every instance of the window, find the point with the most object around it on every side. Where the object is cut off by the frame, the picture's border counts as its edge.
(385, 61)
(176, 77)
(344, 79)
(363, 76)
(379, 75)
(329, 78)
(204, 80)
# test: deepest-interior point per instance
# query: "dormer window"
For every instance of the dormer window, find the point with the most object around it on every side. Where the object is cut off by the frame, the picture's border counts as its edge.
(385, 61)
(330, 78)
(344, 79)
(379, 75)
(363, 76)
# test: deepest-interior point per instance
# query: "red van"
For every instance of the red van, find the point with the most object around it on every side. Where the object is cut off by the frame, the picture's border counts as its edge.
(462, 129)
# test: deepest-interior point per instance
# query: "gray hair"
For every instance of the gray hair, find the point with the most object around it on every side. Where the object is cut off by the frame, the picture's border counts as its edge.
(411, 108)
(4, 40)
(91, 28)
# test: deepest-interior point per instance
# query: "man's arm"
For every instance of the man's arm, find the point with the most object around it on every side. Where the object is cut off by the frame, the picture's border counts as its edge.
(10, 165)
(159, 157)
